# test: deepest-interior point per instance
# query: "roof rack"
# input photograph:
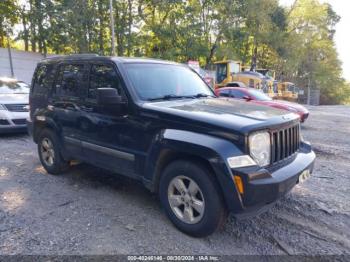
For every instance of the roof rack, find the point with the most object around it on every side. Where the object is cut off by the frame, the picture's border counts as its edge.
(84, 55)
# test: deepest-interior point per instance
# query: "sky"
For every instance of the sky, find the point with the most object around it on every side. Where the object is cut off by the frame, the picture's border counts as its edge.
(342, 35)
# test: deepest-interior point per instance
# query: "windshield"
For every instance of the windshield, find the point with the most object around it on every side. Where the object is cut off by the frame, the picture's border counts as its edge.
(159, 81)
(291, 88)
(234, 67)
(258, 95)
(13, 87)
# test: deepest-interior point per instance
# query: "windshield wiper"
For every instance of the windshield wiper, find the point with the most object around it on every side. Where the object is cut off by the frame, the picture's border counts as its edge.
(167, 97)
(202, 95)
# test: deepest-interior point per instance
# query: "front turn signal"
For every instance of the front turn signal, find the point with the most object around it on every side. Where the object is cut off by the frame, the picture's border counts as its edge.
(239, 184)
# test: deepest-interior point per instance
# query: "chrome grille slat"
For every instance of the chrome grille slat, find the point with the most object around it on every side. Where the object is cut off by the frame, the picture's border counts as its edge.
(17, 107)
(285, 143)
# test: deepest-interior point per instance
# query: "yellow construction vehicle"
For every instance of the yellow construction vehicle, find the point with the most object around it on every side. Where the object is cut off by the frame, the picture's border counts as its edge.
(288, 91)
(232, 71)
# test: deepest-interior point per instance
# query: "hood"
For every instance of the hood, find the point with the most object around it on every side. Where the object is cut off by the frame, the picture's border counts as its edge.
(14, 98)
(224, 112)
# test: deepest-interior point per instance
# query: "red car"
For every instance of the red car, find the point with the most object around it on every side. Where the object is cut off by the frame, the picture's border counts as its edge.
(255, 96)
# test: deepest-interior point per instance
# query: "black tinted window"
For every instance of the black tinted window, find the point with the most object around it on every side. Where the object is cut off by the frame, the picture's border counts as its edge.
(43, 79)
(69, 79)
(221, 72)
(225, 93)
(103, 76)
(154, 81)
(237, 94)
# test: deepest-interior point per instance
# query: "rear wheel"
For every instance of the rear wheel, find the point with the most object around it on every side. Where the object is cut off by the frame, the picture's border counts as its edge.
(191, 198)
(49, 153)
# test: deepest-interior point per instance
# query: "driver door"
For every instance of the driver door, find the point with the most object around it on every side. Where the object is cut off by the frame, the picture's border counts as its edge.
(106, 130)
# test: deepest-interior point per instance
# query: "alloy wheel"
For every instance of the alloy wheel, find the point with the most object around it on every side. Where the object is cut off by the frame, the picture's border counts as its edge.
(47, 152)
(186, 199)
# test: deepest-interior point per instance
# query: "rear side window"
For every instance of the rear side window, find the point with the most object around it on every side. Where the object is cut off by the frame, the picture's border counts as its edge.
(69, 79)
(103, 76)
(43, 79)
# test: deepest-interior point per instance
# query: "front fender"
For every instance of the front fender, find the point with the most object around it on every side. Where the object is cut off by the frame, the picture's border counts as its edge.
(210, 148)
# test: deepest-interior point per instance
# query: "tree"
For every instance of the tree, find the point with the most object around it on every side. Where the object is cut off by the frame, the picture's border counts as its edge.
(8, 17)
(297, 42)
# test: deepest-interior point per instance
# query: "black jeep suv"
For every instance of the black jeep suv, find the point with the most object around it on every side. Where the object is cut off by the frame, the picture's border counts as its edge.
(159, 123)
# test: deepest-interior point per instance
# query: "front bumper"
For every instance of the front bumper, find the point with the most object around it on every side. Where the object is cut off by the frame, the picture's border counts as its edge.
(262, 187)
(13, 129)
(13, 121)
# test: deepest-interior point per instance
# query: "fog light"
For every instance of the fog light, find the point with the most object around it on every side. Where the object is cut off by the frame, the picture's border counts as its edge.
(239, 184)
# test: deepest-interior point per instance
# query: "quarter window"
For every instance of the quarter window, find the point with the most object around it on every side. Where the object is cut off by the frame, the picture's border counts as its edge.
(43, 79)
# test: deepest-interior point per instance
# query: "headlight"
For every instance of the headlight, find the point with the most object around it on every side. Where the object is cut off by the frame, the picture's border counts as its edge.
(2, 107)
(260, 147)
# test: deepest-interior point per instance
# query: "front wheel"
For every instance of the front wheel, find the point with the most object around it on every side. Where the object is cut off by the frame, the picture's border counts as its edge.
(191, 198)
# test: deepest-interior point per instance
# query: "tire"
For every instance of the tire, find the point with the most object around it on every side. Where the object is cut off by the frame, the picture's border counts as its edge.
(48, 146)
(208, 209)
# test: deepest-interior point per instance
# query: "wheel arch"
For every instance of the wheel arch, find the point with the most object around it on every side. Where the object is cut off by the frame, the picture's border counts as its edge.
(209, 151)
(39, 126)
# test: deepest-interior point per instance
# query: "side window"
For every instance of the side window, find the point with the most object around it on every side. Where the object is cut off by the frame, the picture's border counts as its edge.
(225, 93)
(43, 79)
(69, 79)
(237, 94)
(103, 76)
(221, 72)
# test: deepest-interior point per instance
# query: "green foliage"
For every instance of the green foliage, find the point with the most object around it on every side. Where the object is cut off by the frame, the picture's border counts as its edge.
(8, 17)
(296, 42)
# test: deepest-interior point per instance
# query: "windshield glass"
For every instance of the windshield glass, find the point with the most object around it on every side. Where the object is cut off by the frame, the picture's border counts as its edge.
(13, 87)
(234, 67)
(157, 81)
(258, 95)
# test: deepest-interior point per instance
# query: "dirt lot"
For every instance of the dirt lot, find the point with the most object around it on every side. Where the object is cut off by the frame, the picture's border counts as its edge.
(89, 211)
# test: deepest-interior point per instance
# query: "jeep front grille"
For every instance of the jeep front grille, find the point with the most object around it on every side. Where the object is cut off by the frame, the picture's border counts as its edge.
(285, 142)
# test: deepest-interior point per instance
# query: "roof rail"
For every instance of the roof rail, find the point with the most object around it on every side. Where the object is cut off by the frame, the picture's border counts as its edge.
(83, 55)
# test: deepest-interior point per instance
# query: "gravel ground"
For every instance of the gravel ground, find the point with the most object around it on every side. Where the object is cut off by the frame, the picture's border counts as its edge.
(90, 211)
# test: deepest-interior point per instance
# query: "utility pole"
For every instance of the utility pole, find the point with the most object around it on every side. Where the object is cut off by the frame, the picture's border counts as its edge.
(10, 55)
(112, 26)
(308, 91)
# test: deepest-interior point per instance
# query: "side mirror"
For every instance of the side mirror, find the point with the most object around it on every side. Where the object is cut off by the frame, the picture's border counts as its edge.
(247, 98)
(108, 96)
